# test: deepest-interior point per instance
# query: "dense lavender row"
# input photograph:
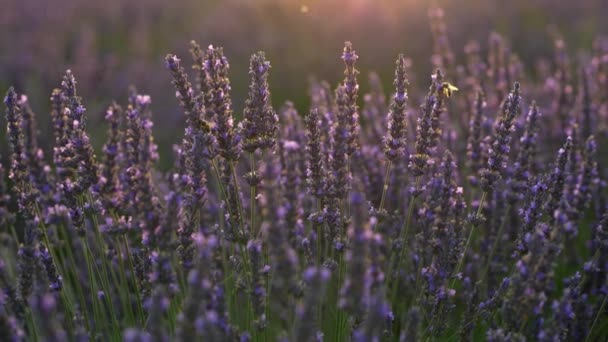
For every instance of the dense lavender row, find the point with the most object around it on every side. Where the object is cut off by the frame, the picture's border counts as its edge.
(480, 214)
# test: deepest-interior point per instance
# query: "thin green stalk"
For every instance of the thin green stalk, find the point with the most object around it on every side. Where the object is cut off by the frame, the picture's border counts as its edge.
(66, 301)
(461, 260)
(252, 194)
(339, 312)
(14, 233)
(31, 326)
(403, 238)
(236, 190)
(242, 250)
(597, 317)
(100, 244)
(466, 246)
(385, 186)
(99, 318)
(124, 285)
(347, 199)
(319, 256)
(137, 292)
(74, 281)
(216, 170)
(495, 245)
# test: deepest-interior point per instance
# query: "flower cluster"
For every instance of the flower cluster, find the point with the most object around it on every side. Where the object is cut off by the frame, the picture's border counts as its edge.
(478, 222)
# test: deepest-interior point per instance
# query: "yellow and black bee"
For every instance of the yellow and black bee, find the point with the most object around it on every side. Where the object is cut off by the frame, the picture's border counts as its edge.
(447, 89)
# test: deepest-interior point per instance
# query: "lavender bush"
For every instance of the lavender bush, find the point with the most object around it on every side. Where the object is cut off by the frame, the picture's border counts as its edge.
(474, 211)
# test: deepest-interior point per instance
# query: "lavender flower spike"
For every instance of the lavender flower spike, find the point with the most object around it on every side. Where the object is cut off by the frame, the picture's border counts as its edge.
(85, 157)
(315, 172)
(475, 141)
(260, 121)
(500, 148)
(588, 179)
(19, 164)
(426, 126)
(524, 165)
(351, 90)
(557, 179)
(395, 140)
(218, 104)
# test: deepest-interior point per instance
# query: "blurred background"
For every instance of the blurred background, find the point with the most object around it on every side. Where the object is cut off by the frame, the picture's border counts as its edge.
(112, 44)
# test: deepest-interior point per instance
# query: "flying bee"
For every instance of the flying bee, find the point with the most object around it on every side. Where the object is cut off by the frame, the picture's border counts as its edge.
(447, 89)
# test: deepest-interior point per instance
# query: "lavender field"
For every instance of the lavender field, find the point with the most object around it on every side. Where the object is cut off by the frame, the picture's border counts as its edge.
(465, 200)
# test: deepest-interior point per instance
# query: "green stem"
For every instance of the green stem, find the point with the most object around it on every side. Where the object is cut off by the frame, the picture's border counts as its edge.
(252, 194)
(495, 245)
(597, 317)
(137, 291)
(466, 246)
(403, 238)
(385, 186)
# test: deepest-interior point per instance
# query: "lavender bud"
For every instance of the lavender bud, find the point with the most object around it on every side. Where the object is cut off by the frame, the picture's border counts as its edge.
(340, 184)
(524, 164)
(499, 150)
(315, 173)
(395, 140)
(218, 104)
(588, 178)
(84, 154)
(109, 181)
(426, 126)
(260, 122)
(351, 87)
(475, 140)
(557, 180)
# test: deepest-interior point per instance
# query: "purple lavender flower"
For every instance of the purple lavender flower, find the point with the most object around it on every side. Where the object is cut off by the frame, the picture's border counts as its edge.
(55, 280)
(51, 327)
(290, 210)
(6, 216)
(27, 261)
(39, 170)
(19, 170)
(531, 212)
(218, 104)
(588, 177)
(557, 180)
(109, 180)
(355, 292)
(340, 176)
(427, 127)
(524, 164)
(316, 280)
(564, 311)
(530, 283)
(351, 89)
(83, 151)
(395, 140)
(499, 151)
(475, 145)
(373, 328)
(315, 172)
(258, 286)
(199, 318)
(260, 122)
